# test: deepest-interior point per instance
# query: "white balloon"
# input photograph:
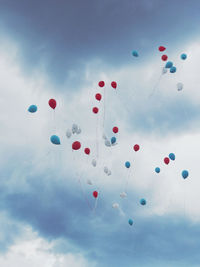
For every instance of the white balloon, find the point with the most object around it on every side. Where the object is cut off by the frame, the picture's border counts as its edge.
(78, 131)
(68, 133)
(109, 173)
(115, 205)
(179, 86)
(106, 169)
(94, 162)
(164, 70)
(89, 182)
(74, 128)
(123, 195)
(107, 143)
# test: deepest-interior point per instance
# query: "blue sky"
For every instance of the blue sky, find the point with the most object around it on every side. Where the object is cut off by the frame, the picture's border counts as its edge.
(62, 50)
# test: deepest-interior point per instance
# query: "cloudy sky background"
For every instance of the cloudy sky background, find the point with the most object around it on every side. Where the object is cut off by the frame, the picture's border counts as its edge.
(62, 50)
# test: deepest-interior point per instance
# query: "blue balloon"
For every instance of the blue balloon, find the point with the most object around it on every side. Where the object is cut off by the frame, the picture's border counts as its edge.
(113, 140)
(172, 156)
(185, 174)
(32, 108)
(157, 169)
(183, 56)
(127, 164)
(130, 221)
(173, 69)
(135, 53)
(55, 140)
(143, 201)
(168, 65)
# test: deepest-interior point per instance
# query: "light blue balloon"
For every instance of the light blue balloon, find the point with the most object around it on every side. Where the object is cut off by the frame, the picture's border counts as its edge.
(135, 53)
(32, 108)
(185, 174)
(169, 64)
(157, 169)
(130, 221)
(183, 56)
(127, 164)
(173, 69)
(113, 140)
(172, 156)
(55, 140)
(143, 201)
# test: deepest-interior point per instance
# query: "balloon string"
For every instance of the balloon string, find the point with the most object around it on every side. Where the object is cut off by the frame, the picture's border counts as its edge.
(83, 192)
(104, 108)
(155, 86)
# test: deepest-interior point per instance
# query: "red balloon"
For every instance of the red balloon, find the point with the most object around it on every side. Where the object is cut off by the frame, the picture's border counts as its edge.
(101, 84)
(161, 48)
(136, 147)
(52, 103)
(115, 129)
(95, 194)
(114, 85)
(164, 57)
(87, 151)
(95, 110)
(76, 145)
(166, 160)
(98, 97)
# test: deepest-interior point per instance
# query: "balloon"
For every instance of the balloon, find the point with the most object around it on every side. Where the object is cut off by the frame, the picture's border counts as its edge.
(185, 174)
(107, 143)
(166, 160)
(95, 110)
(179, 86)
(168, 65)
(87, 151)
(94, 163)
(123, 195)
(172, 156)
(68, 133)
(130, 221)
(143, 201)
(78, 131)
(157, 169)
(55, 140)
(136, 147)
(127, 164)
(74, 128)
(164, 57)
(76, 145)
(164, 70)
(115, 129)
(101, 84)
(183, 56)
(173, 69)
(89, 182)
(32, 108)
(114, 85)
(135, 53)
(161, 48)
(98, 97)
(109, 173)
(52, 103)
(113, 140)
(115, 205)
(95, 194)
(106, 170)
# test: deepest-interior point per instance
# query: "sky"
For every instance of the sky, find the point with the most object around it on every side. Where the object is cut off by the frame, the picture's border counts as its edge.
(61, 50)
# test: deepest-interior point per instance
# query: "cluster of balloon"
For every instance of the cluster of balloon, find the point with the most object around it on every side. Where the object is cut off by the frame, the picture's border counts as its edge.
(74, 130)
(32, 109)
(162, 49)
(107, 171)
